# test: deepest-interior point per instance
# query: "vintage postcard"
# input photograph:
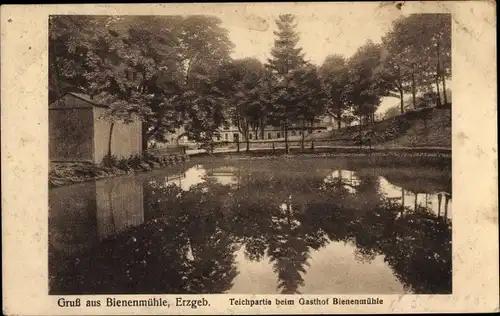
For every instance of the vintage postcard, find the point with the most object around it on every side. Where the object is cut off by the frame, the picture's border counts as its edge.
(238, 158)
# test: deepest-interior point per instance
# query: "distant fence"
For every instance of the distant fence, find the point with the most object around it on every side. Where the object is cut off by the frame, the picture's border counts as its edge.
(310, 144)
(379, 155)
(167, 151)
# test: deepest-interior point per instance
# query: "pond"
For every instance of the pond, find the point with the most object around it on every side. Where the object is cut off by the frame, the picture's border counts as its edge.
(255, 225)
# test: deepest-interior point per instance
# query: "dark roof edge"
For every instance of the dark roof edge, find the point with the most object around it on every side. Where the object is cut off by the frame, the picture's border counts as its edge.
(85, 100)
(96, 104)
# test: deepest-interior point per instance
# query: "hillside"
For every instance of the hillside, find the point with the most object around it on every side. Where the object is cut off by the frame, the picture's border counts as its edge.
(428, 127)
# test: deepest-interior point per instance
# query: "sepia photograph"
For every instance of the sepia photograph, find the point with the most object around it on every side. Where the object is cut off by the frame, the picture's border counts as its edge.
(249, 158)
(182, 161)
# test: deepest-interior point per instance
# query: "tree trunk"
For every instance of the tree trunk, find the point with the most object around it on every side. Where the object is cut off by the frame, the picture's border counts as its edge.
(211, 144)
(262, 128)
(144, 136)
(438, 98)
(446, 201)
(444, 88)
(57, 84)
(439, 204)
(441, 73)
(288, 213)
(243, 128)
(413, 88)
(287, 151)
(401, 97)
(303, 134)
(438, 72)
(339, 115)
(110, 138)
(402, 200)
(416, 197)
(400, 89)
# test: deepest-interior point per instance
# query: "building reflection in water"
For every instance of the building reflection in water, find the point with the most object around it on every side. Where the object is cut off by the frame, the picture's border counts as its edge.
(119, 205)
(72, 218)
(82, 214)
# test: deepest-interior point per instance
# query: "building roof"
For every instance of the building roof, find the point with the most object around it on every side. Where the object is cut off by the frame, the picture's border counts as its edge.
(87, 98)
(82, 96)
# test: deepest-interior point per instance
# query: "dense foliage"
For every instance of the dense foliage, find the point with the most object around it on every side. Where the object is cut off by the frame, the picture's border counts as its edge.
(176, 72)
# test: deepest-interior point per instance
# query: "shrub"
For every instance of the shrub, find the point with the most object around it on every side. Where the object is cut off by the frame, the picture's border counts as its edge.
(135, 161)
(144, 166)
(110, 161)
(147, 156)
(123, 164)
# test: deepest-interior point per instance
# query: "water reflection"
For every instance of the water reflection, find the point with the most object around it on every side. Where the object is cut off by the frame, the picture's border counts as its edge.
(294, 227)
(437, 202)
(119, 205)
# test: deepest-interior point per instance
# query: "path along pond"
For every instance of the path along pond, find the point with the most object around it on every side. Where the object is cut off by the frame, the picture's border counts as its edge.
(306, 225)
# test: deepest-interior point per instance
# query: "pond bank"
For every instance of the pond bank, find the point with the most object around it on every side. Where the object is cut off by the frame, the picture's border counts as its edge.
(410, 154)
(332, 149)
(66, 173)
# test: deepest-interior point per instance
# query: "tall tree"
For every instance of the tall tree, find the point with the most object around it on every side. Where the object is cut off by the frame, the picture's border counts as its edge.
(157, 64)
(436, 41)
(335, 77)
(73, 42)
(205, 46)
(155, 42)
(403, 46)
(107, 57)
(285, 57)
(392, 73)
(364, 91)
(90, 56)
(418, 54)
(309, 95)
(241, 81)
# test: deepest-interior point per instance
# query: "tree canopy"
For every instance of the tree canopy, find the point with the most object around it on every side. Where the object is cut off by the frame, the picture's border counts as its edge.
(176, 71)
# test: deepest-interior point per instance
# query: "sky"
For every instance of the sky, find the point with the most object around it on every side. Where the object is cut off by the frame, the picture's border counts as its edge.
(339, 32)
(338, 28)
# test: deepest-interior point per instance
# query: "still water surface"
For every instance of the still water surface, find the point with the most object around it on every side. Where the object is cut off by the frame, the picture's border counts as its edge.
(286, 225)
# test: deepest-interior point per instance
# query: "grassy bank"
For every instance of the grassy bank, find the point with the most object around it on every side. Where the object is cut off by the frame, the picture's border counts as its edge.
(427, 127)
(403, 152)
(64, 173)
(385, 157)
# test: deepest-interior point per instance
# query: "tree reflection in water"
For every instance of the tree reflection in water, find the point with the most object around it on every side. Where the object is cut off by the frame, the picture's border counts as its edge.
(189, 241)
(415, 243)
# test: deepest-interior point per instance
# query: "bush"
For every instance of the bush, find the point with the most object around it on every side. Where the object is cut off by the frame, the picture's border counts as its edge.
(147, 156)
(123, 164)
(146, 161)
(110, 161)
(135, 161)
